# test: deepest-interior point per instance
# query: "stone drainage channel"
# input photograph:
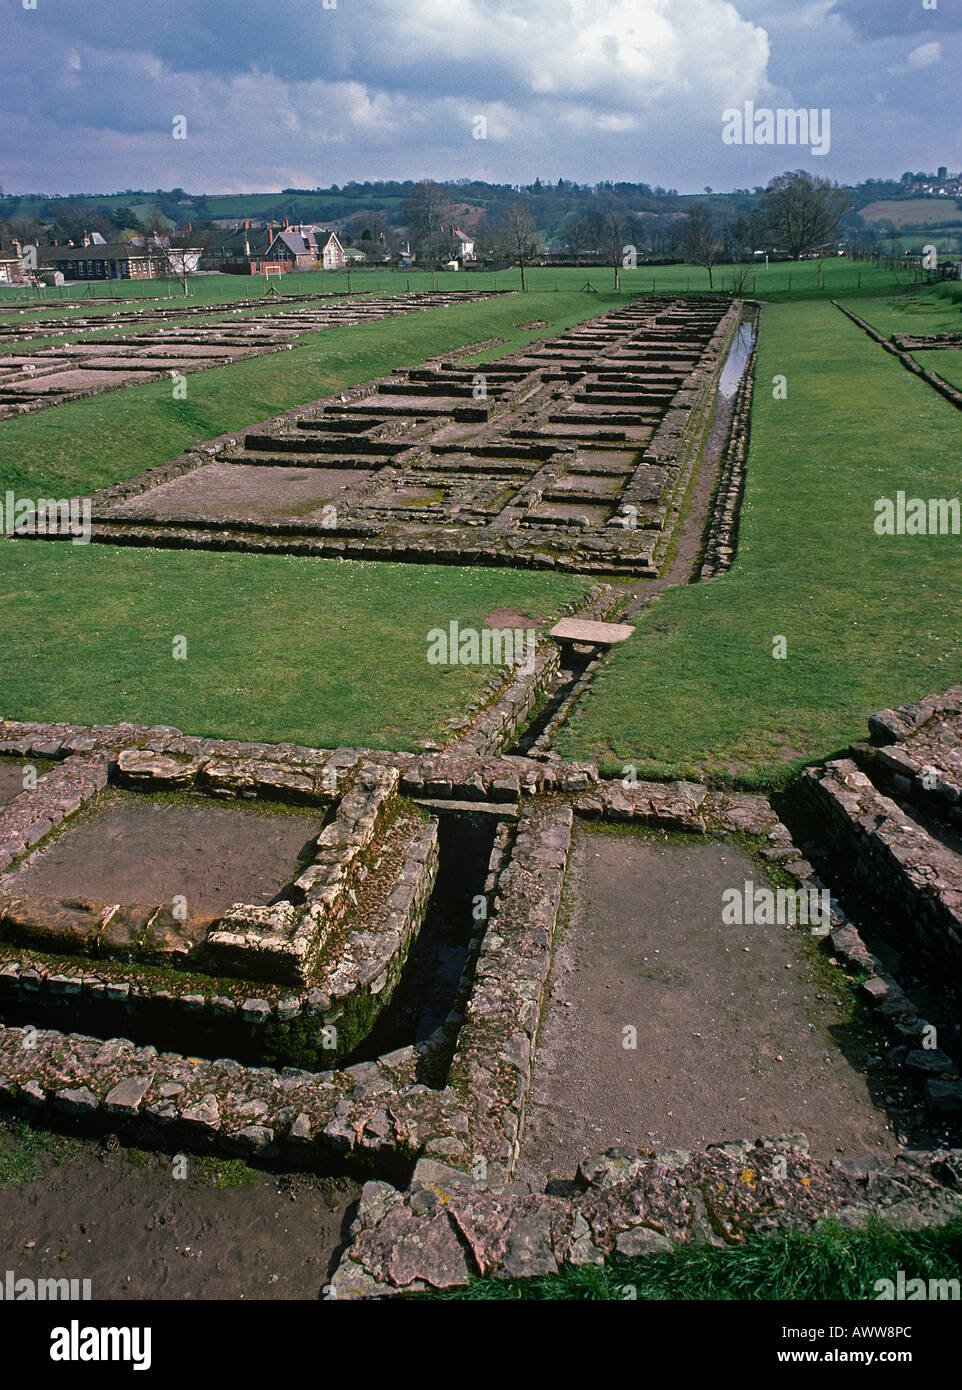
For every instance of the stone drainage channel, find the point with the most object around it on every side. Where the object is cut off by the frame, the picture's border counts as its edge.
(209, 854)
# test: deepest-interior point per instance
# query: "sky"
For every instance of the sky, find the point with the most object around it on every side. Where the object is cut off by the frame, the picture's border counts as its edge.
(105, 95)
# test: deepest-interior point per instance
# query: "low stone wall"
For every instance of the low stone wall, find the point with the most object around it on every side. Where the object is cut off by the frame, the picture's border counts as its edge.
(283, 941)
(360, 975)
(320, 1022)
(31, 815)
(448, 1228)
(913, 880)
(908, 342)
(722, 539)
(373, 1113)
(682, 432)
(915, 1037)
(938, 383)
(495, 1054)
(916, 751)
(288, 772)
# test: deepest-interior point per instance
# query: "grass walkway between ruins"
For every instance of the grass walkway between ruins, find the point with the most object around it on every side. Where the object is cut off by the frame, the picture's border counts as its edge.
(935, 309)
(869, 620)
(74, 448)
(946, 361)
(278, 648)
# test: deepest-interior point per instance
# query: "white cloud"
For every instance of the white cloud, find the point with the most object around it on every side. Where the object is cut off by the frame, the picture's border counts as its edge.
(925, 55)
(588, 89)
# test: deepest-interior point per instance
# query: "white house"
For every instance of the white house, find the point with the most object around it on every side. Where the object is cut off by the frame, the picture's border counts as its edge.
(463, 249)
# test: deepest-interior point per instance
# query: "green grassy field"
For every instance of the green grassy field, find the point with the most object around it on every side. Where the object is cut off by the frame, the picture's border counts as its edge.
(869, 620)
(783, 280)
(934, 310)
(279, 648)
(86, 444)
(946, 361)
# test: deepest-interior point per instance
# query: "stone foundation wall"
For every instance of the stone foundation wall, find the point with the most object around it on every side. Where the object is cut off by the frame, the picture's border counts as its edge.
(283, 941)
(31, 816)
(903, 871)
(938, 383)
(372, 1114)
(495, 1054)
(448, 1228)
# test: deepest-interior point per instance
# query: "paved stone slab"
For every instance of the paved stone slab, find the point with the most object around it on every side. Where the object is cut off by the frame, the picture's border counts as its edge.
(600, 634)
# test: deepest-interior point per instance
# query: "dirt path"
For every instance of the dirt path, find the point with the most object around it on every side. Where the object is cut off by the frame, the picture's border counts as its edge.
(120, 1219)
(735, 1038)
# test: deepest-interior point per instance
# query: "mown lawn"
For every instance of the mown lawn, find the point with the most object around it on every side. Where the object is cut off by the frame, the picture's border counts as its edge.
(946, 361)
(829, 1263)
(75, 448)
(869, 620)
(830, 276)
(278, 648)
(937, 309)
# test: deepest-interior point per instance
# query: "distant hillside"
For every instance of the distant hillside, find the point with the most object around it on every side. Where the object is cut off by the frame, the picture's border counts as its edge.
(651, 216)
(914, 212)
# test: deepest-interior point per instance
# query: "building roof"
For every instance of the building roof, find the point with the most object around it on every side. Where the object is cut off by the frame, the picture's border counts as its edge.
(294, 242)
(109, 251)
(257, 239)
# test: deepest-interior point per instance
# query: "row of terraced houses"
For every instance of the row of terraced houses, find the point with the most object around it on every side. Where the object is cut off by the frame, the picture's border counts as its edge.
(244, 251)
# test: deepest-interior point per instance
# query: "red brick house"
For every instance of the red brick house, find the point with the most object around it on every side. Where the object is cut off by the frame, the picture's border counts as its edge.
(264, 251)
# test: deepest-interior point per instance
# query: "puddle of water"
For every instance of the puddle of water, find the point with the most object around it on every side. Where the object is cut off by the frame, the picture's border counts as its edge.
(734, 368)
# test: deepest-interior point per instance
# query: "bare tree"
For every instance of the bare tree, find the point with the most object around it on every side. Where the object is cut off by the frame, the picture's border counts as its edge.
(700, 242)
(518, 233)
(426, 210)
(738, 236)
(178, 257)
(615, 233)
(802, 212)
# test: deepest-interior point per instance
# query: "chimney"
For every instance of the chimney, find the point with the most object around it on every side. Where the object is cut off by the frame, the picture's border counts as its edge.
(86, 240)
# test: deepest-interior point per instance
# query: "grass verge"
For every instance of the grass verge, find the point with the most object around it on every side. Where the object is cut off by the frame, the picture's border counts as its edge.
(278, 648)
(21, 1148)
(829, 1263)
